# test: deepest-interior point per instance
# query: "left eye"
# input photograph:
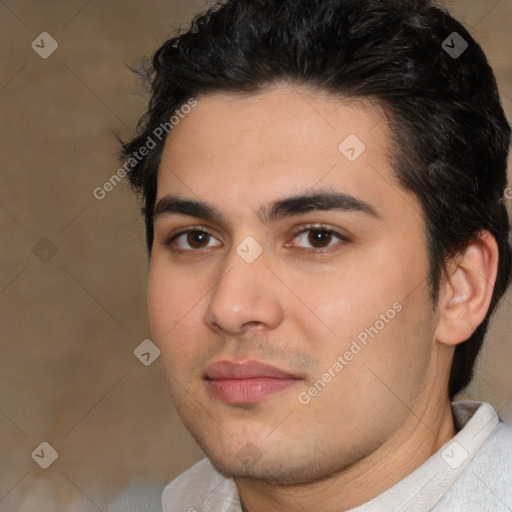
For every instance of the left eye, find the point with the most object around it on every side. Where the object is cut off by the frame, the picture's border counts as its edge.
(319, 238)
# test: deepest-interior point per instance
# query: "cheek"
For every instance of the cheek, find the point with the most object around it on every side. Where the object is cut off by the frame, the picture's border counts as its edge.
(174, 314)
(343, 303)
(384, 345)
(372, 300)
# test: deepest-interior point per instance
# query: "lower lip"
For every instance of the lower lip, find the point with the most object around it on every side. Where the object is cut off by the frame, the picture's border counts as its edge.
(247, 391)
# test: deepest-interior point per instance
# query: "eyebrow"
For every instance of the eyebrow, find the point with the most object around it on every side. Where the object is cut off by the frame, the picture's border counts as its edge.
(278, 210)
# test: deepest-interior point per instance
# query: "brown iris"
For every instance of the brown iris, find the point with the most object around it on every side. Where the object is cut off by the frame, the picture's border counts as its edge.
(319, 237)
(196, 239)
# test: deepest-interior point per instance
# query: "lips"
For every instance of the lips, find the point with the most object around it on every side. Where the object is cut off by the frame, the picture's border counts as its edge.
(246, 382)
(245, 370)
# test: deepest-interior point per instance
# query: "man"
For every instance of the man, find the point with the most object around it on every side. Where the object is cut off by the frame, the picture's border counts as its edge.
(323, 187)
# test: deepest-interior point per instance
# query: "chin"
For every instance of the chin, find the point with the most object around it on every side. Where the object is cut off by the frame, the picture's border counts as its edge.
(270, 472)
(273, 467)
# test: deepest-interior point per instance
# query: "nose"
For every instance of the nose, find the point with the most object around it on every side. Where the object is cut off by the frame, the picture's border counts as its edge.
(247, 296)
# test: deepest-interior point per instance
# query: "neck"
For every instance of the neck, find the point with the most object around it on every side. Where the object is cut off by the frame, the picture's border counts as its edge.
(422, 435)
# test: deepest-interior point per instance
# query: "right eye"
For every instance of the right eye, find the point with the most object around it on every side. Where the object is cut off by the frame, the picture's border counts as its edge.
(191, 240)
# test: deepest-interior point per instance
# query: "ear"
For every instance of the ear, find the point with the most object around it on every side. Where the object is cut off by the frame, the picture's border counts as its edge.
(466, 290)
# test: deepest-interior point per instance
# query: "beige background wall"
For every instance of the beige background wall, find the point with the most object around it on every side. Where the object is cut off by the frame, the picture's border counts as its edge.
(72, 281)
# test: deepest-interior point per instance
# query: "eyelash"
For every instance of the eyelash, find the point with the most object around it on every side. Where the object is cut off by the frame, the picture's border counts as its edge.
(303, 229)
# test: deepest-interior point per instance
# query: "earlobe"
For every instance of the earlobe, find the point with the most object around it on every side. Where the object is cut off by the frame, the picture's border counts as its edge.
(466, 290)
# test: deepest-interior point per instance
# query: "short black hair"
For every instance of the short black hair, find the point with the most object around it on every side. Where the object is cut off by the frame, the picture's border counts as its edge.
(450, 135)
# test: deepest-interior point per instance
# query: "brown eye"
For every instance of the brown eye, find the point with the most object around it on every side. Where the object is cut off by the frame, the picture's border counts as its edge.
(319, 237)
(192, 240)
(196, 239)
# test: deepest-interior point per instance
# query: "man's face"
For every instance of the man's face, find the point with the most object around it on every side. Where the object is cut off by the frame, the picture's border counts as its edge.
(337, 300)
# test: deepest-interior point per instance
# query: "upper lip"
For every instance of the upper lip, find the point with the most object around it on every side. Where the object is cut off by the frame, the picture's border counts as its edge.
(245, 370)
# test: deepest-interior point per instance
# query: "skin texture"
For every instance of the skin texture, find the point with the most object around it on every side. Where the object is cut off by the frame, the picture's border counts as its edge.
(300, 305)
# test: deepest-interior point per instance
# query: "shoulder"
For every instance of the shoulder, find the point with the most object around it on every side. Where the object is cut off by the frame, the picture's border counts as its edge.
(140, 495)
(499, 442)
(197, 489)
(486, 483)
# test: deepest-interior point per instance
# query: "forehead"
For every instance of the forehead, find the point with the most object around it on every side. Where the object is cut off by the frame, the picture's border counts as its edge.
(241, 150)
